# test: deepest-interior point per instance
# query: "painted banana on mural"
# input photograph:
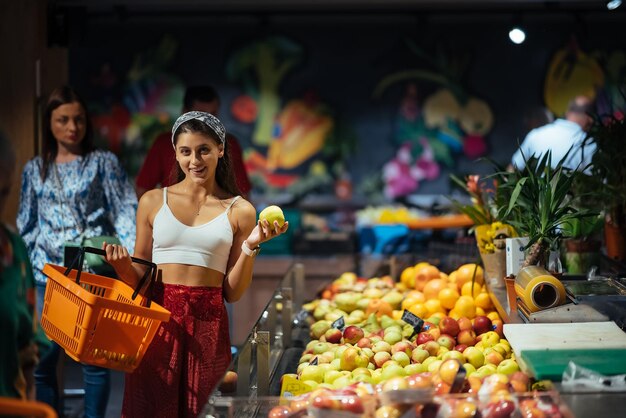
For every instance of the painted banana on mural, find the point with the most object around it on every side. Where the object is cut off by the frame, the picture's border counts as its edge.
(572, 72)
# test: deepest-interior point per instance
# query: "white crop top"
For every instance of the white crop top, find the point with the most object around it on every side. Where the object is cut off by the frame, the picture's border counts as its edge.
(206, 245)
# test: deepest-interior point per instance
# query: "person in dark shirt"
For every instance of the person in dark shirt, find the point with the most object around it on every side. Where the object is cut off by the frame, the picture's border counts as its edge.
(159, 167)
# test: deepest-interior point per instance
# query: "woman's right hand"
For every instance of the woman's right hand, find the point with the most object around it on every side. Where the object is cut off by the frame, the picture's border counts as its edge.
(263, 232)
(118, 257)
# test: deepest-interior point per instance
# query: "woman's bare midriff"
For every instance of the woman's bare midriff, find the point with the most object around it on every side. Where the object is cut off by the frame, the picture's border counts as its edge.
(190, 275)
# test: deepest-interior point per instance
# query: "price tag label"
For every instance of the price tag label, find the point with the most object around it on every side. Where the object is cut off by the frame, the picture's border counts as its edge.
(339, 324)
(314, 361)
(415, 321)
(293, 387)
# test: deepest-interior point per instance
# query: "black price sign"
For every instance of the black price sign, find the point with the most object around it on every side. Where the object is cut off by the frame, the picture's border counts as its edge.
(339, 324)
(415, 321)
(301, 316)
(314, 361)
(459, 380)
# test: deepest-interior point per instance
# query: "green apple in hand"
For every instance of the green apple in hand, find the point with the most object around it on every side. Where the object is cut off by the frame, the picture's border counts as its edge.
(273, 213)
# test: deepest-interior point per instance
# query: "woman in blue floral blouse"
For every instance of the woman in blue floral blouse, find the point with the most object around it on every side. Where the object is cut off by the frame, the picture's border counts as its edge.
(72, 191)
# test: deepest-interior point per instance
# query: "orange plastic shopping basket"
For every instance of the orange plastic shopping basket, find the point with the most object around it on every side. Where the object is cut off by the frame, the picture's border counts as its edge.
(99, 320)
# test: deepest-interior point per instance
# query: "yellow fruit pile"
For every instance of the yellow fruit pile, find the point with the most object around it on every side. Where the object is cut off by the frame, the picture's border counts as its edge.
(430, 292)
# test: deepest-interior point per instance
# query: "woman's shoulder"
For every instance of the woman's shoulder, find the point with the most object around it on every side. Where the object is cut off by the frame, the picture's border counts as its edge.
(34, 164)
(243, 207)
(31, 173)
(151, 198)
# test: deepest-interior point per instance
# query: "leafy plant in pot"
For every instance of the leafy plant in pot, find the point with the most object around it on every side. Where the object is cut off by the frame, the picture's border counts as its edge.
(609, 165)
(539, 205)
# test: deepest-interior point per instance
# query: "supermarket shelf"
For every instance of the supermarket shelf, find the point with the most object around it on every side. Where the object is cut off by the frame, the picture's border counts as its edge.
(501, 303)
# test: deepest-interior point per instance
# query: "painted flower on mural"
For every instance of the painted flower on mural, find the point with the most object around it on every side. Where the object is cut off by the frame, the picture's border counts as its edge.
(403, 174)
(447, 117)
(431, 135)
(426, 168)
(397, 174)
(474, 146)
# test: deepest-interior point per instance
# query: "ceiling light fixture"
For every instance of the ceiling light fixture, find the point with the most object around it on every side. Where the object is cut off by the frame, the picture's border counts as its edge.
(613, 4)
(517, 35)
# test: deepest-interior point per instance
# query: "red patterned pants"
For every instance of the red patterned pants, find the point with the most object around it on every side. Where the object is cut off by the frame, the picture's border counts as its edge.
(186, 359)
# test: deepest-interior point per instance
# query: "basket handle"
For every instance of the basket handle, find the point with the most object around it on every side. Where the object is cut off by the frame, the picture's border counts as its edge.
(77, 264)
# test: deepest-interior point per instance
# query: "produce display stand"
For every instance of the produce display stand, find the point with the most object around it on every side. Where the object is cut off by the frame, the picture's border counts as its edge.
(281, 333)
(272, 349)
(583, 404)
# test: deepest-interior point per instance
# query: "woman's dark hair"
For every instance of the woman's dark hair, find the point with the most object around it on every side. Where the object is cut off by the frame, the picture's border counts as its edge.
(224, 174)
(60, 96)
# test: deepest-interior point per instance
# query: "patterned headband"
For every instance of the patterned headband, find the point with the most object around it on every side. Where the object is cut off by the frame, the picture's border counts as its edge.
(207, 118)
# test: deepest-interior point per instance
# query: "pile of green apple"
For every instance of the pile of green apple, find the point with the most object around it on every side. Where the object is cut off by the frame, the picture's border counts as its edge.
(373, 348)
(378, 349)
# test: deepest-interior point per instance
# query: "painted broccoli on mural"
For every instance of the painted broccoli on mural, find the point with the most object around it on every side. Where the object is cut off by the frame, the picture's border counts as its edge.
(260, 67)
(288, 132)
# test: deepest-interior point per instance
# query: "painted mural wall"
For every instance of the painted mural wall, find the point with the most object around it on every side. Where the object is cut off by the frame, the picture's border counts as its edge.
(392, 105)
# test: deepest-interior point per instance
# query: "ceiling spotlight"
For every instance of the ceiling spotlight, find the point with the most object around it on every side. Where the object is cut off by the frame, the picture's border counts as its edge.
(613, 4)
(517, 35)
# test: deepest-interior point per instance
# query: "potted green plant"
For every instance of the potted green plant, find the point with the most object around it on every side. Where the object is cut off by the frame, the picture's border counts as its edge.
(540, 204)
(609, 165)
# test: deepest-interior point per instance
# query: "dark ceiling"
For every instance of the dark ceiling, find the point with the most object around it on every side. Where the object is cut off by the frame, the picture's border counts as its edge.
(332, 6)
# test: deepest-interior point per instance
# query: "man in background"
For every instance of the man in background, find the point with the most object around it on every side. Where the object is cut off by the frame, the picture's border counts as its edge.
(560, 136)
(159, 167)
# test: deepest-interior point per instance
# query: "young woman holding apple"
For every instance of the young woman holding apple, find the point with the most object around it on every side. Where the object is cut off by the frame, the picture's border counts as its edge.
(204, 238)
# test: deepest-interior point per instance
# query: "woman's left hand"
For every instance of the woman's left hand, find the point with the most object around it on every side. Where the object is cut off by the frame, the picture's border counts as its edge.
(263, 232)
